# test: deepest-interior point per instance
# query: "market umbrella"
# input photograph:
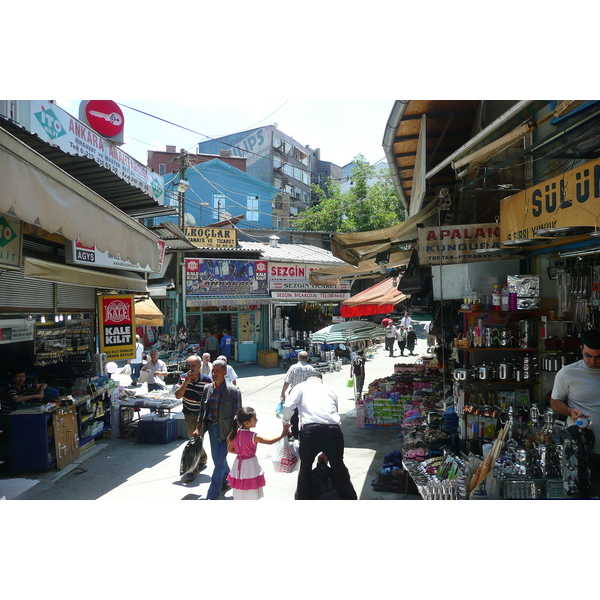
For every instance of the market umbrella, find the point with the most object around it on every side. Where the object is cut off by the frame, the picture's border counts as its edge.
(348, 331)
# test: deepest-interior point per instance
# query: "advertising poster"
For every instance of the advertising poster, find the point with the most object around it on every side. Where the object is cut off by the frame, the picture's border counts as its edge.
(117, 326)
(225, 277)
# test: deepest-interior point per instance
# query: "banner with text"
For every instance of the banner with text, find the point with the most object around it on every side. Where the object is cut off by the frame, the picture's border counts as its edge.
(451, 244)
(225, 277)
(117, 326)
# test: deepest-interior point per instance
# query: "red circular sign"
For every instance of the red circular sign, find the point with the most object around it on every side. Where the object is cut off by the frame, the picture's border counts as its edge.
(105, 117)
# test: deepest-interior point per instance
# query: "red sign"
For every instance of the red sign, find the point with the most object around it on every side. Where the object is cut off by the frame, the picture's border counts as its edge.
(105, 117)
(117, 331)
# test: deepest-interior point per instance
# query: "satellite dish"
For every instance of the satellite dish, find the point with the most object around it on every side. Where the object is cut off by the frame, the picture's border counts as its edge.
(276, 124)
(190, 220)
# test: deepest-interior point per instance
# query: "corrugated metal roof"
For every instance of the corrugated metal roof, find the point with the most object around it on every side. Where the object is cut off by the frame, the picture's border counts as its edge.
(294, 253)
(171, 233)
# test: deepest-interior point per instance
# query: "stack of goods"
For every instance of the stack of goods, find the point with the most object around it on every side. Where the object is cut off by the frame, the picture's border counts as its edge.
(392, 477)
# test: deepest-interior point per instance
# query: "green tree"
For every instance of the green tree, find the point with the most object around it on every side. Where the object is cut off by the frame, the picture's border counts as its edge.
(370, 204)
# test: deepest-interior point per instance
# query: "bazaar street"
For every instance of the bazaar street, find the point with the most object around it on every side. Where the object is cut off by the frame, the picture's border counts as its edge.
(123, 469)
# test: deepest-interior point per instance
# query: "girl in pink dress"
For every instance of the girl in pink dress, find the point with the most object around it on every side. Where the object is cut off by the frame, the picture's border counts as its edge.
(246, 477)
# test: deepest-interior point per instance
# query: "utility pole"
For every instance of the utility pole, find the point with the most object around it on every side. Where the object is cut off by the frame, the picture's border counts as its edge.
(183, 161)
(180, 314)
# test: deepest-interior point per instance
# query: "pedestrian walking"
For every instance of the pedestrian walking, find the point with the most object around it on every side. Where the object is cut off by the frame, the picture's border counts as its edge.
(191, 390)
(390, 338)
(231, 374)
(402, 339)
(357, 372)
(411, 340)
(320, 432)
(246, 477)
(296, 374)
(220, 402)
(136, 363)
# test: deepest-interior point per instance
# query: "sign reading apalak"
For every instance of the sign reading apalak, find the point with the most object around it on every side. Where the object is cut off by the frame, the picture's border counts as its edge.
(59, 128)
(451, 244)
(569, 199)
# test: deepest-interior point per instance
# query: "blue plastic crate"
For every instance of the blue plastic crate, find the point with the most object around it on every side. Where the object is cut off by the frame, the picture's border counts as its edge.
(157, 432)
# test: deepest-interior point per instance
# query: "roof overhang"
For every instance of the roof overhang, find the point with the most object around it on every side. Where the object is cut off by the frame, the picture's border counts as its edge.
(36, 191)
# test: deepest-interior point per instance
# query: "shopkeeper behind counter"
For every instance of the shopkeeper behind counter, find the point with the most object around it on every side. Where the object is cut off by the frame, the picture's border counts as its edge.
(11, 399)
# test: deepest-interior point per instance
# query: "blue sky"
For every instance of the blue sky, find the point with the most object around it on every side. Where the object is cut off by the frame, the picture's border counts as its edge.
(340, 128)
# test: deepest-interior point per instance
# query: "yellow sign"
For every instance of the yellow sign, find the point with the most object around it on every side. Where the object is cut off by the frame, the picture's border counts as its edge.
(570, 199)
(212, 237)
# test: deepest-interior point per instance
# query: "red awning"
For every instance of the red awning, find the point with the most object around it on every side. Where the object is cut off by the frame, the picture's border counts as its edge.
(376, 300)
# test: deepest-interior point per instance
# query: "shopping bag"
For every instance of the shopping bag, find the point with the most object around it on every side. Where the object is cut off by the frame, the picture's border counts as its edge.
(191, 456)
(279, 410)
(321, 483)
(143, 376)
(350, 382)
(285, 456)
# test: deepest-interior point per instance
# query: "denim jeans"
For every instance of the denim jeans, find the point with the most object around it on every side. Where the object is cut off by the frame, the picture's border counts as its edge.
(135, 371)
(218, 451)
(315, 438)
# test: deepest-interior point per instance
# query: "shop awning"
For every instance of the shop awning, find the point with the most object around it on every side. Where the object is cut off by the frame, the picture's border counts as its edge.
(49, 271)
(356, 247)
(330, 276)
(39, 193)
(376, 300)
(147, 313)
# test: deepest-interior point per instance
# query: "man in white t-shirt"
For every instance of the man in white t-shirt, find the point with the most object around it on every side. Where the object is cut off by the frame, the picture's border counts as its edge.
(576, 392)
(136, 363)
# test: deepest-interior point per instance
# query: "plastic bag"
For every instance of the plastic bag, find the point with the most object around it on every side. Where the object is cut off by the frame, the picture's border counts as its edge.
(285, 456)
(350, 382)
(279, 410)
(322, 486)
(191, 456)
(143, 376)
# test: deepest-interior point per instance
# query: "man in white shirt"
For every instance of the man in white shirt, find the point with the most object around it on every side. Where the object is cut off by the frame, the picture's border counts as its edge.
(206, 367)
(406, 321)
(295, 375)
(136, 363)
(320, 431)
(157, 371)
(390, 338)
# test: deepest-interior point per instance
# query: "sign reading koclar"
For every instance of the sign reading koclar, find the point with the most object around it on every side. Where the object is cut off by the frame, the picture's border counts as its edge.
(452, 244)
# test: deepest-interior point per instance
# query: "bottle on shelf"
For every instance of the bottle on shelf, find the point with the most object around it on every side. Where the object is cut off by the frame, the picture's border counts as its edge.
(496, 298)
(504, 305)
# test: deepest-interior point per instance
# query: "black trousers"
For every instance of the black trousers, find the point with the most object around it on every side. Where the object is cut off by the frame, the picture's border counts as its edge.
(389, 344)
(314, 439)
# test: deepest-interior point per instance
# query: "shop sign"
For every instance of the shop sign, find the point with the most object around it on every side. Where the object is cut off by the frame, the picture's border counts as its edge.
(103, 116)
(11, 242)
(311, 296)
(452, 244)
(567, 200)
(117, 326)
(212, 237)
(225, 277)
(16, 330)
(77, 253)
(57, 126)
(295, 276)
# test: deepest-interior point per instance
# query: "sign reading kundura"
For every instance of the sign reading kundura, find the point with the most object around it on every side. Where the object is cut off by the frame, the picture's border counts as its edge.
(451, 244)
(225, 277)
(117, 326)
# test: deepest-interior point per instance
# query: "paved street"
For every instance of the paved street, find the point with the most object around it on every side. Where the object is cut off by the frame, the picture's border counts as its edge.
(123, 469)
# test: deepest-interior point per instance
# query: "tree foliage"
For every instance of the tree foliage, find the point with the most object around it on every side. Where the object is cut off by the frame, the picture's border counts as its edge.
(371, 203)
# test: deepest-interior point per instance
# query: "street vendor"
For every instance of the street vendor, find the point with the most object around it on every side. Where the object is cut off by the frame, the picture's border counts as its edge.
(19, 391)
(157, 371)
